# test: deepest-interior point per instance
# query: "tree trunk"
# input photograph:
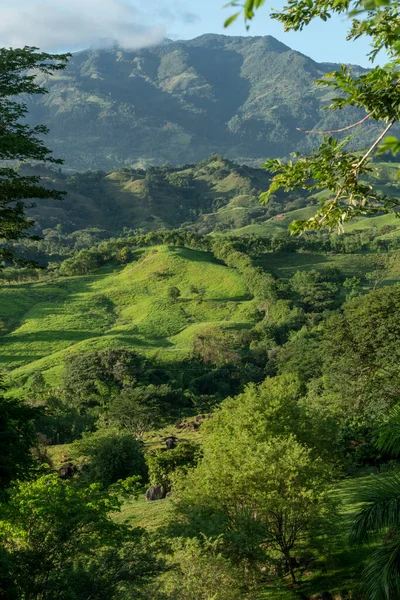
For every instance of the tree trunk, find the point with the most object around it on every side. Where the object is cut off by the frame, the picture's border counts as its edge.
(291, 570)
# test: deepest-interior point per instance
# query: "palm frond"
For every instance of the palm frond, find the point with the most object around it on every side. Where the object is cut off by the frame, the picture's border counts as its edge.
(381, 577)
(389, 434)
(381, 510)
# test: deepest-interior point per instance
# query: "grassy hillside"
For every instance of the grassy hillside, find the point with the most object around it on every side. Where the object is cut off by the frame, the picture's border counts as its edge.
(215, 194)
(121, 306)
(285, 264)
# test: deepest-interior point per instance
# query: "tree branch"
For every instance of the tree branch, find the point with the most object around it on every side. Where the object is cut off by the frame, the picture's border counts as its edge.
(338, 130)
(374, 145)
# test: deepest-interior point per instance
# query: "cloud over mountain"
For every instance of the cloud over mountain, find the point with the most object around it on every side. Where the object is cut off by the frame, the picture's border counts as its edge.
(55, 25)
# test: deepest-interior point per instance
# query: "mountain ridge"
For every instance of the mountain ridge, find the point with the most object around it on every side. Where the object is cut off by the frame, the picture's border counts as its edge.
(242, 97)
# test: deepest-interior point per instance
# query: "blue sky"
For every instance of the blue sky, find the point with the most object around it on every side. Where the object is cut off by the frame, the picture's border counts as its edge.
(324, 42)
(59, 25)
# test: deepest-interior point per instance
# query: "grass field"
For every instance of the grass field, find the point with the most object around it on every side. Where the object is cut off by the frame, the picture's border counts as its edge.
(120, 306)
(277, 223)
(336, 568)
(285, 264)
(128, 306)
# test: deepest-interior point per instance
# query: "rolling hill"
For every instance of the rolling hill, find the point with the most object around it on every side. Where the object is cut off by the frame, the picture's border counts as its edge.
(120, 307)
(215, 195)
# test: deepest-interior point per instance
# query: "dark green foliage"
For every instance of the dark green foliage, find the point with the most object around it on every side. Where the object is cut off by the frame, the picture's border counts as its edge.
(18, 76)
(301, 356)
(360, 352)
(164, 464)
(314, 291)
(82, 263)
(17, 436)
(173, 293)
(142, 408)
(389, 433)
(59, 422)
(90, 378)
(379, 518)
(112, 455)
(59, 542)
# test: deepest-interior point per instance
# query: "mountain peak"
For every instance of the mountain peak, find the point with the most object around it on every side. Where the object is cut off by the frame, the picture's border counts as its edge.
(242, 97)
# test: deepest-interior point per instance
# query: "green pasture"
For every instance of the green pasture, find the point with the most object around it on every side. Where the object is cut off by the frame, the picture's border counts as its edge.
(276, 224)
(120, 306)
(285, 264)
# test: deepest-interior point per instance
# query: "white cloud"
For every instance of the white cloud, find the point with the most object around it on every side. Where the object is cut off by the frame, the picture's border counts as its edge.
(55, 25)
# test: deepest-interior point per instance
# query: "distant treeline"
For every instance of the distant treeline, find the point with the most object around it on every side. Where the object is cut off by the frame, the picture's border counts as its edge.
(89, 252)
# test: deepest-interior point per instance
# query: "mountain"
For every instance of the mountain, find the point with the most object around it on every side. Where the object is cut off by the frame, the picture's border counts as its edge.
(242, 97)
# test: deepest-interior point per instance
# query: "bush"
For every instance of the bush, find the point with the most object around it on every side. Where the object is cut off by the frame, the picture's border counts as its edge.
(144, 408)
(112, 455)
(201, 572)
(162, 464)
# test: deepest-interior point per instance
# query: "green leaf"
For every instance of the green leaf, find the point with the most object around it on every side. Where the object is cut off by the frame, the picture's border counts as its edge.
(231, 19)
(390, 144)
(264, 197)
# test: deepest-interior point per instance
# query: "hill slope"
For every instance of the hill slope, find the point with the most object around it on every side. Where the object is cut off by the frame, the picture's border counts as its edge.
(213, 194)
(242, 97)
(126, 307)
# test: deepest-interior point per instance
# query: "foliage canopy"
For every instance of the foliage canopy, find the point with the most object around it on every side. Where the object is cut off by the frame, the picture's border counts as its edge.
(339, 174)
(20, 142)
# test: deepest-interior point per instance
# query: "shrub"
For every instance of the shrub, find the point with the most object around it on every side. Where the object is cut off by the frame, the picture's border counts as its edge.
(162, 464)
(112, 455)
(202, 572)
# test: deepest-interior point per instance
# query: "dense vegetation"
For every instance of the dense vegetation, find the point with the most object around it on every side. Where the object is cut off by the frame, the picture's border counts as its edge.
(214, 196)
(272, 360)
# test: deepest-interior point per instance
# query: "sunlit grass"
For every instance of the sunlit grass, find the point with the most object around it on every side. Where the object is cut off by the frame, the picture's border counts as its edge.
(120, 307)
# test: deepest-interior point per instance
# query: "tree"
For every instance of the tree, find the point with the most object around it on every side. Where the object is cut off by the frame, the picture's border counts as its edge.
(352, 286)
(82, 263)
(315, 293)
(256, 478)
(142, 408)
(360, 354)
(173, 293)
(379, 517)
(381, 271)
(91, 378)
(333, 169)
(112, 455)
(216, 347)
(19, 69)
(59, 541)
(17, 436)
(164, 464)
(199, 570)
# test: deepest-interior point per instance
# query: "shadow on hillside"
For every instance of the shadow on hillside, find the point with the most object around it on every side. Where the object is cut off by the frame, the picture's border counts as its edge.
(244, 298)
(195, 255)
(52, 336)
(149, 342)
